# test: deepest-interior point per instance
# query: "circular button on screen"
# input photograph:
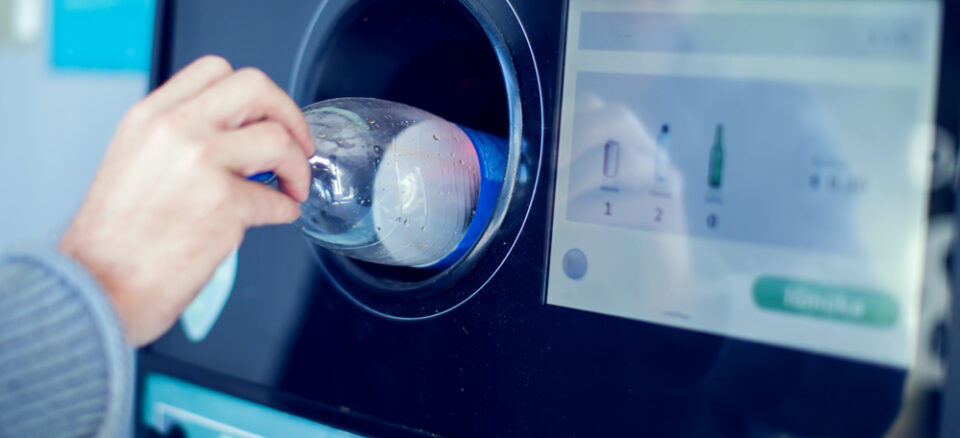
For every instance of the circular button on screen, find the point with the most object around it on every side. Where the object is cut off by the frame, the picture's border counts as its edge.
(575, 264)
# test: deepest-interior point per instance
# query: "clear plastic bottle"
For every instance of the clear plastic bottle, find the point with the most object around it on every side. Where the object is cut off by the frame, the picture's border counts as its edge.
(396, 185)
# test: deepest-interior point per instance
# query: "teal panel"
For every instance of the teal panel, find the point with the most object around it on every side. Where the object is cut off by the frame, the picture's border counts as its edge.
(105, 35)
(203, 413)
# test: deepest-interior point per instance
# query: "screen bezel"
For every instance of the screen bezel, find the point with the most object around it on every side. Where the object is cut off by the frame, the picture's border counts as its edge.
(940, 202)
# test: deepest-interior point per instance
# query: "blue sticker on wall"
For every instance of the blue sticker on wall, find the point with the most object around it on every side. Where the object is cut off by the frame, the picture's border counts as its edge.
(112, 35)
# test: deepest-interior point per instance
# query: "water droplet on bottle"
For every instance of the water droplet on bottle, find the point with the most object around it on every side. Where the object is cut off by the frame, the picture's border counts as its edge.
(398, 218)
(435, 137)
(378, 228)
(371, 121)
(461, 161)
(405, 223)
(377, 149)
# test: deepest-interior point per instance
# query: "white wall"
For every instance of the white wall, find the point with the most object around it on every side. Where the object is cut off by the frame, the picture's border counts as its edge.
(54, 128)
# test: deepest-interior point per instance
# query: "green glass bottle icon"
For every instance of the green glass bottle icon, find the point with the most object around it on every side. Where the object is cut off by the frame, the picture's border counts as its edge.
(715, 174)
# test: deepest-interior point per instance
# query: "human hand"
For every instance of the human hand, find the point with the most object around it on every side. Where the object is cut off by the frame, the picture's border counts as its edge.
(170, 200)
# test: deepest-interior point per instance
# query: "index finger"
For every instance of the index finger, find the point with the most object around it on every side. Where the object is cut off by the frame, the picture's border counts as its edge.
(265, 146)
(187, 82)
(248, 96)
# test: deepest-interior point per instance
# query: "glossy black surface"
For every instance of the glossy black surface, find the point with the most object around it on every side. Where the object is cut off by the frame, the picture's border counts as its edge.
(503, 363)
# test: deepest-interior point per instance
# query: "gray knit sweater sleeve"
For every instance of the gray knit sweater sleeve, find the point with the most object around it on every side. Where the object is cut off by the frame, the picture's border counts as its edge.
(64, 367)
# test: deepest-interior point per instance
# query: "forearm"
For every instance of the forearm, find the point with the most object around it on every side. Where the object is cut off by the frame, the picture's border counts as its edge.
(65, 369)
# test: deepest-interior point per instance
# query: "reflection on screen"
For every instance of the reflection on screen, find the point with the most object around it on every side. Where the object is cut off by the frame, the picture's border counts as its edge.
(752, 169)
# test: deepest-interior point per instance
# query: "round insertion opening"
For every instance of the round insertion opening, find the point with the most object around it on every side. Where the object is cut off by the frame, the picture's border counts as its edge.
(432, 54)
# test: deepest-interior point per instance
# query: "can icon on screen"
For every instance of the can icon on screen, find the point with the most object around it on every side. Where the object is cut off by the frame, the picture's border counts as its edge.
(611, 166)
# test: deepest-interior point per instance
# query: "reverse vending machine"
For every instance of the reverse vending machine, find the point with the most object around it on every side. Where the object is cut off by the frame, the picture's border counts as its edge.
(716, 219)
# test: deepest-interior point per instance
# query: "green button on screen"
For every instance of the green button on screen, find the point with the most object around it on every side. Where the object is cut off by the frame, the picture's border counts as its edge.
(853, 305)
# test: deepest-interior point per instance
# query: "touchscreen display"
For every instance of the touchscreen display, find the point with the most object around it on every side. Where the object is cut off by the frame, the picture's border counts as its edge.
(753, 169)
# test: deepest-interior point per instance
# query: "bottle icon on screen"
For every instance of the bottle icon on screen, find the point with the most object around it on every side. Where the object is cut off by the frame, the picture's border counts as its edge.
(715, 173)
(662, 160)
(611, 166)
